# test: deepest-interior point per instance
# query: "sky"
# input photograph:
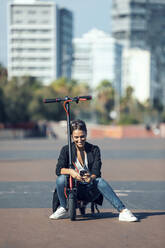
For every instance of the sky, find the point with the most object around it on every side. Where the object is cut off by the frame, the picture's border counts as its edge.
(89, 14)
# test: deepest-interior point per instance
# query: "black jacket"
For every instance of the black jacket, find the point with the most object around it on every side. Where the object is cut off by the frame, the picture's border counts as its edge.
(94, 165)
(93, 157)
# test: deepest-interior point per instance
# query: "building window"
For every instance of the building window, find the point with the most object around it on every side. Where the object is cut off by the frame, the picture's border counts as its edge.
(44, 12)
(17, 12)
(32, 21)
(45, 21)
(18, 21)
(31, 12)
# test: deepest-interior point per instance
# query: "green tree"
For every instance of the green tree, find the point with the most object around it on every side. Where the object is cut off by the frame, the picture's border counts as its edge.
(2, 107)
(72, 88)
(21, 99)
(83, 109)
(131, 110)
(3, 76)
(19, 92)
(3, 82)
(41, 111)
(104, 103)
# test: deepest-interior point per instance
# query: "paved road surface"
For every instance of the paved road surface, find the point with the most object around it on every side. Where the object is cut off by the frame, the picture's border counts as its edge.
(135, 168)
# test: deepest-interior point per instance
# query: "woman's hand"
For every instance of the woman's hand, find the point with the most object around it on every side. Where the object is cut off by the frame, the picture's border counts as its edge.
(86, 178)
(75, 175)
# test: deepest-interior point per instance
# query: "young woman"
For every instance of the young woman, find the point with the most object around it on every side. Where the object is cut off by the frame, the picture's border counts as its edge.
(85, 156)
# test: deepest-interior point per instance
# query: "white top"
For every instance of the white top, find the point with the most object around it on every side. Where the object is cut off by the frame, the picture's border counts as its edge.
(81, 167)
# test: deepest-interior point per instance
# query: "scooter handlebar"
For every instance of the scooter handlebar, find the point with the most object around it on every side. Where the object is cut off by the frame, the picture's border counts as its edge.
(74, 99)
(52, 100)
(85, 97)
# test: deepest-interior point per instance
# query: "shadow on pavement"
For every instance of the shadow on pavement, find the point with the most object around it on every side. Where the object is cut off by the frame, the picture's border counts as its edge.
(96, 216)
(139, 215)
(145, 215)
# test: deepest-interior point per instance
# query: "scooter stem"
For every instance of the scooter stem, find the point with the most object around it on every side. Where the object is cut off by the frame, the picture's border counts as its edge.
(69, 134)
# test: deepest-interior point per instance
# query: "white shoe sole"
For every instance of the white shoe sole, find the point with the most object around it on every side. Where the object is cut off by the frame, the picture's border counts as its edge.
(58, 217)
(133, 220)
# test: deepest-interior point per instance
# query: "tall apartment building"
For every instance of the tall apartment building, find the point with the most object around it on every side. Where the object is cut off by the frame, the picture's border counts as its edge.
(66, 36)
(3, 33)
(137, 72)
(141, 24)
(39, 40)
(97, 57)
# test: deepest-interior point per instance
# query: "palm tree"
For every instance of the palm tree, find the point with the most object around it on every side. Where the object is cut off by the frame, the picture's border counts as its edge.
(105, 100)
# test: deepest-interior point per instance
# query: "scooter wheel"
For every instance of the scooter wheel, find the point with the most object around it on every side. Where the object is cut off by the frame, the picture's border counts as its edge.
(72, 206)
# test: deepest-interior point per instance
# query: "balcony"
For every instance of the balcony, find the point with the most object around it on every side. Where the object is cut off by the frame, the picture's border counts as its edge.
(138, 25)
(31, 64)
(28, 35)
(32, 54)
(33, 46)
(31, 27)
(36, 73)
(121, 25)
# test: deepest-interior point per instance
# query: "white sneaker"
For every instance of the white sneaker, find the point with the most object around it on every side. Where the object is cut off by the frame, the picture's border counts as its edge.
(126, 215)
(60, 213)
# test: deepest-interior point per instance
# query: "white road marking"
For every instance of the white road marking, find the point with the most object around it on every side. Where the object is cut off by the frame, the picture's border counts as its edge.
(118, 192)
(121, 194)
(7, 192)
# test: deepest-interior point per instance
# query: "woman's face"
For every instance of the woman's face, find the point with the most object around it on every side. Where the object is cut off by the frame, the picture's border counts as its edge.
(79, 138)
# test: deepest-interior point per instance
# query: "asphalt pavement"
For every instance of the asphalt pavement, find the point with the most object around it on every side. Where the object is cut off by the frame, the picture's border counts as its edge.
(135, 168)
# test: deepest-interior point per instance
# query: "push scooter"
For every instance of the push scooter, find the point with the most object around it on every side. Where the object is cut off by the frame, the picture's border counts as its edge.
(71, 187)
